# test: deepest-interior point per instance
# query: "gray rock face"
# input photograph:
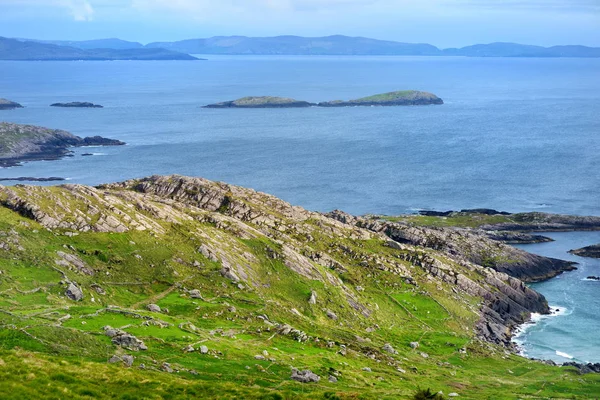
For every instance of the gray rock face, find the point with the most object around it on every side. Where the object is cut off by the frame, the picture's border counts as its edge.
(331, 315)
(124, 339)
(73, 292)
(305, 376)
(195, 294)
(313, 298)
(414, 345)
(203, 349)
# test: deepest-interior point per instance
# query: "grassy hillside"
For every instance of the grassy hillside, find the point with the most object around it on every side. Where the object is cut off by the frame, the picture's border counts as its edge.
(264, 286)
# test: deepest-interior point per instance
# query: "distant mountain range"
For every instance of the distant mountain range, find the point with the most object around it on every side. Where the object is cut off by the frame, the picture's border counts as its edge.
(296, 45)
(12, 49)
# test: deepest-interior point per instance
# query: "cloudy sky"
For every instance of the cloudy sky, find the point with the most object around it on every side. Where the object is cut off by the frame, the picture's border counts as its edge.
(444, 23)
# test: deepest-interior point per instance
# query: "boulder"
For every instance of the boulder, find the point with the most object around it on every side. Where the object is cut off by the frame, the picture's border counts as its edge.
(153, 308)
(305, 376)
(388, 348)
(73, 292)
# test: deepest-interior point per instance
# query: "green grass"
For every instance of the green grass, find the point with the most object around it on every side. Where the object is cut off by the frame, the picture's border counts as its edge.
(41, 358)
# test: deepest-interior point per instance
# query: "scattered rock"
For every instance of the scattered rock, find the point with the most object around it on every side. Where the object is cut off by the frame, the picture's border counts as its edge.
(332, 379)
(167, 368)
(313, 298)
(331, 315)
(125, 340)
(153, 308)
(388, 347)
(305, 376)
(259, 357)
(128, 360)
(203, 349)
(73, 292)
(452, 394)
(367, 369)
(189, 349)
(76, 104)
(414, 345)
(195, 294)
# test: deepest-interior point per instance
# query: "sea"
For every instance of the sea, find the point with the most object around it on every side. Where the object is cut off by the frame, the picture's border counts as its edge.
(514, 134)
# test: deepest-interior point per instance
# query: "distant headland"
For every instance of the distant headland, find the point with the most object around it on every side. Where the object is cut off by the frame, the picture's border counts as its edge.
(398, 98)
(327, 45)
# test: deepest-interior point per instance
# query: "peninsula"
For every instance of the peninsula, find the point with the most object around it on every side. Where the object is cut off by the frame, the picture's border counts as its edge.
(398, 98)
(183, 287)
(592, 251)
(17, 50)
(8, 105)
(33, 143)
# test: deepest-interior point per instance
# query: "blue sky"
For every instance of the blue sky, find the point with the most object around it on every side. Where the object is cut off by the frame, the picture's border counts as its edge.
(444, 23)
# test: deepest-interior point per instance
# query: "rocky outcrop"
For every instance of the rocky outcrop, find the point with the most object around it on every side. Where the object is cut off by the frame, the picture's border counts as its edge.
(592, 251)
(32, 179)
(467, 245)
(468, 263)
(77, 104)
(399, 98)
(515, 237)
(544, 222)
(32, 143)
(9, 105)
(305, 376)
(73, 292)
(261, 102)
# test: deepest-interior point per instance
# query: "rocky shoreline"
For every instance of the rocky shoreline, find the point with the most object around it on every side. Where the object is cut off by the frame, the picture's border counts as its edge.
(19, 143)
(592, 251)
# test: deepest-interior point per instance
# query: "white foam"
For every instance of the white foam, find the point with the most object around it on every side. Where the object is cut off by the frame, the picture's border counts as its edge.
(535, 318)
(98, 154)
(565, 355)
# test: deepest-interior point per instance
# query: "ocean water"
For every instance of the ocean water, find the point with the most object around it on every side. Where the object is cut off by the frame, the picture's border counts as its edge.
(571, 333)
(514, 134)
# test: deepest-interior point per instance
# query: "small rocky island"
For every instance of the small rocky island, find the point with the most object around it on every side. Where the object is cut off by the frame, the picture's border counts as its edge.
(33, 143)
(588, 251)
(77, 104)
(262, 102)
(399, 98)
(9, 105)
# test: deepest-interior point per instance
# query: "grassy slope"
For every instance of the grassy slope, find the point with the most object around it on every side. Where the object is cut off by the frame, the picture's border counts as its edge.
(41, 358)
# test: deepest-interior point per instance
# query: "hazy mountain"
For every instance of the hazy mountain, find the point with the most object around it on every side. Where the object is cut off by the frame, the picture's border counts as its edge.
(296, 45)
(11, 49)
(521, 50)
(112, 43)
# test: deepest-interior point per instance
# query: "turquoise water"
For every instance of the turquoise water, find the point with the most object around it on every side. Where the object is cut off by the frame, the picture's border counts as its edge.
(514, 134)
(571, 333)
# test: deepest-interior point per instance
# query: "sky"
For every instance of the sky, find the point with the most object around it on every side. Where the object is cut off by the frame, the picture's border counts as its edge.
(443, 23)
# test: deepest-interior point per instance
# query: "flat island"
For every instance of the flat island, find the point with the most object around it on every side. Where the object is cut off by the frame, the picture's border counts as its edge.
(77, 104)
(33, 143)
(261, 102)
(9, 105)
(398, 98)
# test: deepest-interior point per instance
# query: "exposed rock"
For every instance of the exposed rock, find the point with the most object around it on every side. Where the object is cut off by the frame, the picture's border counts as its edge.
(125, 340)
(305, 376)
(388, 348)
(76, 104)
(584, 368)
(73, 292)
(593, 278)
(332, 379)
(367, 369)
(167, 368)
(331, 315)
(414, 345)
(128, 360)
(516, 237)
(28, 143)
(32, 179)
(313, 298)
(71, 261)
(588, 251)
(195, 294)
(153, 308)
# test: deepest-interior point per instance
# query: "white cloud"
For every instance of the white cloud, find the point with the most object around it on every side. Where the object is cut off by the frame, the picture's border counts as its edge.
(81, 10)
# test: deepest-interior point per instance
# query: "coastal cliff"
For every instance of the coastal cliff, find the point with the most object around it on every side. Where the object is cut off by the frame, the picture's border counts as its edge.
(187, 279)
(20, 143)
